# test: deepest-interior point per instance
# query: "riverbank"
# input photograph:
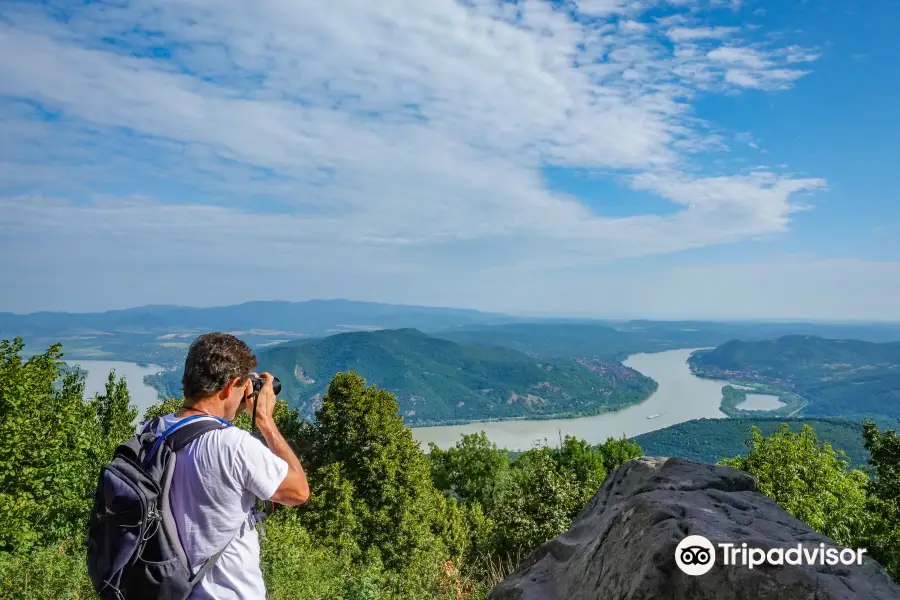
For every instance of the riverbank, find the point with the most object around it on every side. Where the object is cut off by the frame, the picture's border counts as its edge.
(736, 393)
(734, 397)
(596, 411)
(680, 397)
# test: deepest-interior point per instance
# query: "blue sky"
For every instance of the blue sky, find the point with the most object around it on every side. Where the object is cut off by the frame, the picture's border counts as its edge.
(645, 158)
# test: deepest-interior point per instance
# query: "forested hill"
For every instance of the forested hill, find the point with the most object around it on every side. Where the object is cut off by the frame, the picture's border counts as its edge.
(709, 440)
(437, 380)
(836, 377)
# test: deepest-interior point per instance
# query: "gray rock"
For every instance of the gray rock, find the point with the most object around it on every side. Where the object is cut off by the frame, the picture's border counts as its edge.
(622, 545)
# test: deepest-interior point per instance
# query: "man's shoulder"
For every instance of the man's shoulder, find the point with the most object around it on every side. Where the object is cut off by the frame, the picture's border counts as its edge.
(229, 435)
(237, 439)
(233, 435)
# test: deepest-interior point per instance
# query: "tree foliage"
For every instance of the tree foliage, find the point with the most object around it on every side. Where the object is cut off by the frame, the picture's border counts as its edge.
(513, 506)
(536, 503)
(815, 483)
(54, 442)
(884, 496)
(810, 480)
(616, 451)
(470, 470)
(370, 461)
(585, 463)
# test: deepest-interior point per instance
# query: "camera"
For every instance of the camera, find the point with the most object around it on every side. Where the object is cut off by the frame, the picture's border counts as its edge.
(259, 381)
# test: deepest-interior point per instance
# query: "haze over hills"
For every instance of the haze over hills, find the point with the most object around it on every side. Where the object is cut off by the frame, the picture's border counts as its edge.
(310, 317)
(160, 334)
(836, 377)
(617, 339)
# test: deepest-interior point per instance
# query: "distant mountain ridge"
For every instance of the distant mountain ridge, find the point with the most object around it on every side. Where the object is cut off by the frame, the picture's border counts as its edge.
(440, 381)
(310, 316)
(161, 334)
(617, 340)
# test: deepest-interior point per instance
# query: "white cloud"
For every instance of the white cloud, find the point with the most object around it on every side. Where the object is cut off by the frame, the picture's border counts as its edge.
(371, 127)
(742, 56)
(750, 68)
(734, 5)
(631, 26)
(686, 34)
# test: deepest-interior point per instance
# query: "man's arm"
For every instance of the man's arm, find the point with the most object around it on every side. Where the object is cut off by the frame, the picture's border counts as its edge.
(294, 489)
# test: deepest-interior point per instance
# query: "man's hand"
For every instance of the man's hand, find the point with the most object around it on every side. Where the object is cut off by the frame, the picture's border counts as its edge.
(294, 489)
(264, 401)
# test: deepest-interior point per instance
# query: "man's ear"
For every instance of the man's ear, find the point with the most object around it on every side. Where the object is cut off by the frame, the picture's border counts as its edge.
(229, 389)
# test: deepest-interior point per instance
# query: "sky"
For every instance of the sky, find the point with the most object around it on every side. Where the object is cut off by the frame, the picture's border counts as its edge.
(611, 158)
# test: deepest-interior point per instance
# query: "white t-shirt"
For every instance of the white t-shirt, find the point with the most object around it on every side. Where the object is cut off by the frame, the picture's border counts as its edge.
(216, 482)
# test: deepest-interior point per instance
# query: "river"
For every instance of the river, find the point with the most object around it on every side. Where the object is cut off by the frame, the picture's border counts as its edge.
(681, 397)
(142, 395)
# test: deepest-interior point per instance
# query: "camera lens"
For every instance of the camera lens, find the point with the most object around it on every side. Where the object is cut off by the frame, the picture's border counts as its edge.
(259, 381)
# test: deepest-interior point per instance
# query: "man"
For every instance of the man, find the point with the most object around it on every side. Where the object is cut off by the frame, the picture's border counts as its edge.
(219, 476)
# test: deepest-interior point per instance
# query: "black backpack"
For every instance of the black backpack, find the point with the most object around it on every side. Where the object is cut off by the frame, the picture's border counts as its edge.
(134, 552)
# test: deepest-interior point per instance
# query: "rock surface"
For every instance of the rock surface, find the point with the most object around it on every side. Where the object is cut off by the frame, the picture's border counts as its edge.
(622, 545)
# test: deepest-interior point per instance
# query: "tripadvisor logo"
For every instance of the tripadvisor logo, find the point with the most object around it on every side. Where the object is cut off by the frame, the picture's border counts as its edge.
(696, 555)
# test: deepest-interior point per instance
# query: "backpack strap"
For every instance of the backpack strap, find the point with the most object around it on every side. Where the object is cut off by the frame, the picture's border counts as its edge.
(176, 437)
(151, 425)
(180, 434)
(209, 563)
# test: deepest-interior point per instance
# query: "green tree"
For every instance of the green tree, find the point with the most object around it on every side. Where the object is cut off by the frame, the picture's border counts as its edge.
(618, 451)
(470, 470)
(884, 496)
(331, 512)
(359, 440)
(115, 414)
(810, 480)
(483, 538)
(297, 566)
(585, 462)
(536, 503)
(52, 450)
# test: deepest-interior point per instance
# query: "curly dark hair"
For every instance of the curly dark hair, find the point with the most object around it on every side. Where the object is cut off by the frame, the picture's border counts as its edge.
(213, 360)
